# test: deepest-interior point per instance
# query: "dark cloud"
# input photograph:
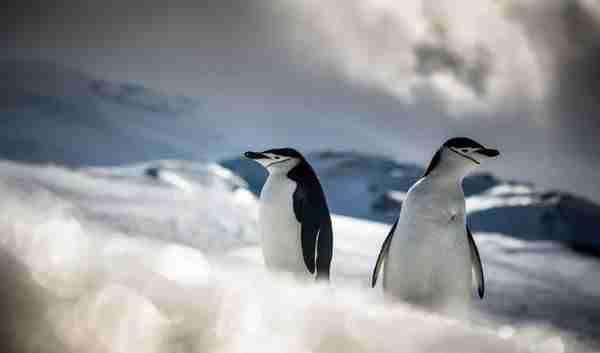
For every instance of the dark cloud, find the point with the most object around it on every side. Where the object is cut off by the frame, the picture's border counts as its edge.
(567, 38)
(133, 23)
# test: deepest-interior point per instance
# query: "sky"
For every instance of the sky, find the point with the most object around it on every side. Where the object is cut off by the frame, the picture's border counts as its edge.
(518, 75)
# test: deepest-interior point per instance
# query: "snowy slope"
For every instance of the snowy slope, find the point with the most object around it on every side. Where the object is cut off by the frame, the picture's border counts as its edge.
(528, 213)
(48, 109)
(163, 257)
(372, 187)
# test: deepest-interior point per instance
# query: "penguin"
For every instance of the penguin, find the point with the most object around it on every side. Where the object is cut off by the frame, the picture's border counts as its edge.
(294, 220)
(430, 256)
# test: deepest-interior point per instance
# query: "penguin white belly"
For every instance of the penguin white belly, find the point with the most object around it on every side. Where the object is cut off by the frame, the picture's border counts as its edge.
(429, 260)
(280, 230)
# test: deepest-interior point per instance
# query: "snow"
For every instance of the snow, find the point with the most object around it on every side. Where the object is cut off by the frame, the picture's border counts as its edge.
(528, 213)
(47, 109)
(125, 260)
(134, 95)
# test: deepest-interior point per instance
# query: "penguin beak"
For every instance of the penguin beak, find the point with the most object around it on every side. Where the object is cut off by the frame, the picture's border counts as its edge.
(255, 155)
(488, 152)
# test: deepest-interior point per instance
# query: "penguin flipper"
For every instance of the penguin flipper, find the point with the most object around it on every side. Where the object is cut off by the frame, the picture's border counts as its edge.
(385, 248)
(476, 264)
(310, 208)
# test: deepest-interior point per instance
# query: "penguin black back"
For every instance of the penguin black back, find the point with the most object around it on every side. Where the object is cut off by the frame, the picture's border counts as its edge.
(437, 157)
(312, 212)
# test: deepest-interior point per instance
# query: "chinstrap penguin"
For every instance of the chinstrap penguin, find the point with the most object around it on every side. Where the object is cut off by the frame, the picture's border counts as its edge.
(294, 219)
(430, 256)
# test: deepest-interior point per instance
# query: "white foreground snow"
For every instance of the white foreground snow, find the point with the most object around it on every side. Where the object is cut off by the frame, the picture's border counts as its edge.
(112, 260)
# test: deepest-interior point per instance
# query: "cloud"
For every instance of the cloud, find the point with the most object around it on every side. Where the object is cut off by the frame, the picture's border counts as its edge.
(480, 57)
(125, 24)
(567, 36)
(523, 75)
(469, 57)
(532, 58)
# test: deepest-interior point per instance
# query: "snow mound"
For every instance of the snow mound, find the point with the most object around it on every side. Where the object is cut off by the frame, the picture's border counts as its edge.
(213, 214)
(121, 261)
(204, 173)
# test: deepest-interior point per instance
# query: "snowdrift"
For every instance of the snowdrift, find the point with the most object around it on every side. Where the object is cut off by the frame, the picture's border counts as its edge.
(162, 257)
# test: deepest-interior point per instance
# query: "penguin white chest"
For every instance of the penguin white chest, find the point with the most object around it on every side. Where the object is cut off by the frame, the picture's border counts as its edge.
(280, 230)
(429, 254)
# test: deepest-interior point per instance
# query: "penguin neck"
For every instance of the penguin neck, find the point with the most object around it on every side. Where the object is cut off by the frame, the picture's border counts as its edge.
(452, 168)
(445, 181)
(277, 176)
(448, 175)
(449, 167)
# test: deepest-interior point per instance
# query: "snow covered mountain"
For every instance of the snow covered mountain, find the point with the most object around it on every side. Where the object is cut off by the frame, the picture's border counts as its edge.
(372, 187)
(163, 256)
(53, 114)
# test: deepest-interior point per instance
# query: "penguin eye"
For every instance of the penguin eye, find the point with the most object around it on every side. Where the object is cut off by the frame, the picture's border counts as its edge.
(464, 150)
(276, 157)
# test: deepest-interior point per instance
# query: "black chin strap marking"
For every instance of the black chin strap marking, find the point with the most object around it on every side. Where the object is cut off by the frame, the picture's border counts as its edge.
(277, 162)
(464, 155)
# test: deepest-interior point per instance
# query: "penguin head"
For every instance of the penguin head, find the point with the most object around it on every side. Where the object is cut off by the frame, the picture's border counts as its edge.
(278, 160)
(459, 156)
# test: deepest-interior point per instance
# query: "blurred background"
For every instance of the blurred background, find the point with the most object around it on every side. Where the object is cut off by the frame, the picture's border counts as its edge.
(374, 76)
(124, 198)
